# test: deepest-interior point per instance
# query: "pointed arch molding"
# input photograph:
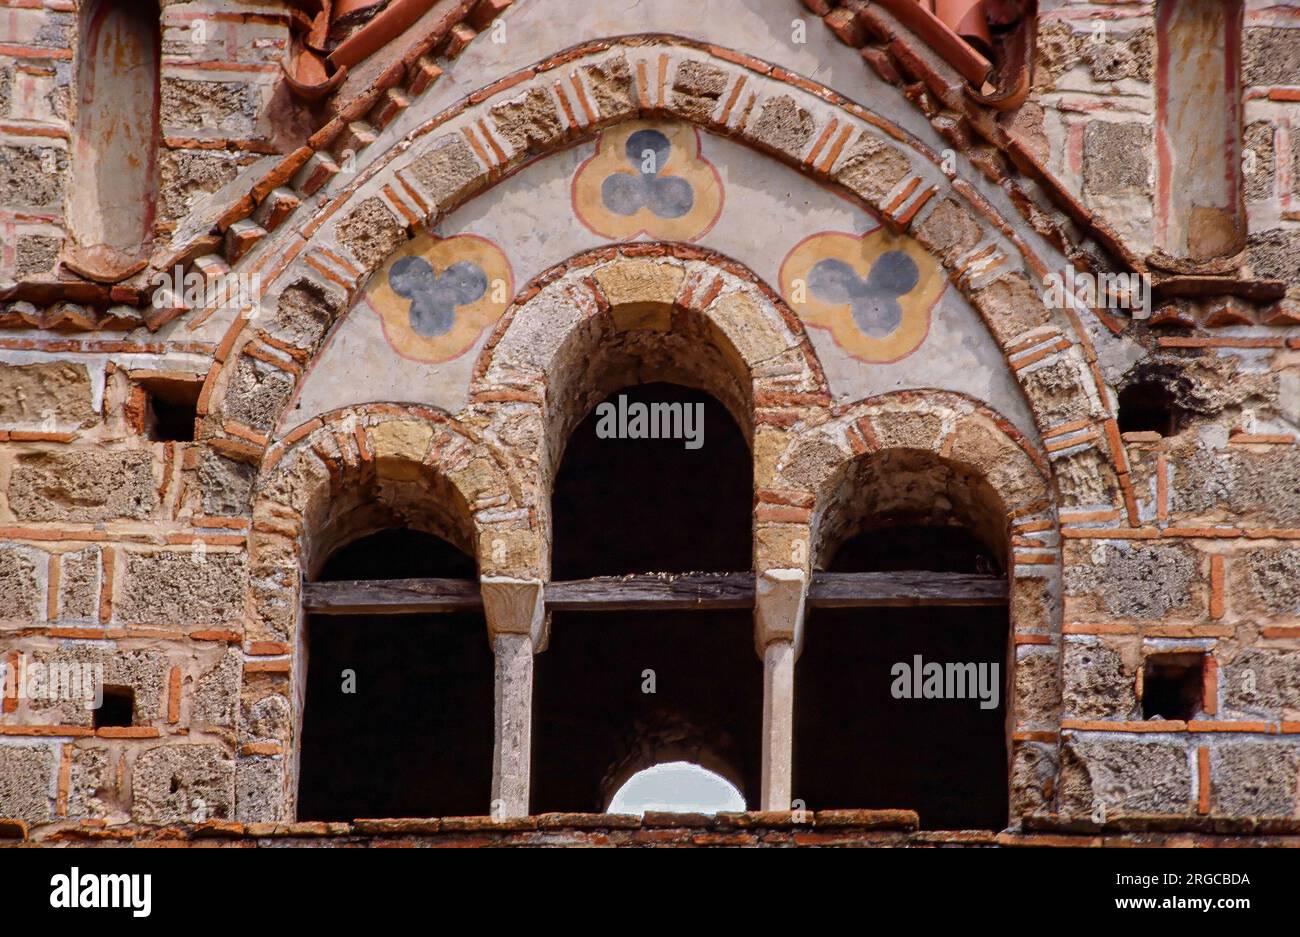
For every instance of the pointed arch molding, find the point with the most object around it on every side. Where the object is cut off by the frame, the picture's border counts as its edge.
(313, 265)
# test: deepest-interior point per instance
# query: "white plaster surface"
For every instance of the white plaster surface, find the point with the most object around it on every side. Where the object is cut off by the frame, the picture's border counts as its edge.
(531, 218)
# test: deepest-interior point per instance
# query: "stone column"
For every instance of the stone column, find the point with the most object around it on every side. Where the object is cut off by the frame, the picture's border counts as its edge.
(778, 634)
(516, 619)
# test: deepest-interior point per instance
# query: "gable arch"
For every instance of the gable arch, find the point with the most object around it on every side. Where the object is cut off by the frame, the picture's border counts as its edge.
(347, 473)
(346, 228)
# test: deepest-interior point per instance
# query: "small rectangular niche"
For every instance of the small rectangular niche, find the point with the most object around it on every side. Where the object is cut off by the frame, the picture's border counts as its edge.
(117, 708)
(1173, 686)
(164, 408)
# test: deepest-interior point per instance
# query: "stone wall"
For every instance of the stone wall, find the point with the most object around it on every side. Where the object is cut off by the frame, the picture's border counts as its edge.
(224, 109)
(173, 567)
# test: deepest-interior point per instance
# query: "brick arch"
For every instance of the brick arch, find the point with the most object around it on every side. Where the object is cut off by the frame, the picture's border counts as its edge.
(421, 466)
(339, 476)
(810, 470)
(347, 226)
(556, 352)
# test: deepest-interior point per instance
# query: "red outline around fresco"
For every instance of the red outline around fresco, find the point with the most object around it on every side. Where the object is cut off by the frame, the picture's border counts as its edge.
(780, 285)
(699, 155)
(510, 273)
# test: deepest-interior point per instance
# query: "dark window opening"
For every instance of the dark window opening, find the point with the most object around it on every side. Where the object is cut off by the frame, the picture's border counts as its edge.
(1173, 686)
(398, 718)
(618, 692)
(857, 744)
(170, 409)
(1148, 407)
(652, 505)
(117, 708)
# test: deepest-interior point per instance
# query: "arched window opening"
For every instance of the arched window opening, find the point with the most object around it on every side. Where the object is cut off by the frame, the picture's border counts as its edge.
(906, 707)
(676, 787)
(615, 690)
(630, 504)
(115, 145)
(398, 718)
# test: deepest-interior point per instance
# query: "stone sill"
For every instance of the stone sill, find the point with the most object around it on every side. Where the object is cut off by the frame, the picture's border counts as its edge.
(896, 828)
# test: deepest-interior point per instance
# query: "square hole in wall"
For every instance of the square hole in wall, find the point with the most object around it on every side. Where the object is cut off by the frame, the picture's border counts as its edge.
(117, 708)
(1173, 686)
(1148, 407)
(167, 407)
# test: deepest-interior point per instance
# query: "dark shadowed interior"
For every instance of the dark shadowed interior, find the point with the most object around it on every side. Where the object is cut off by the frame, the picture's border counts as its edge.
(415, 739)
(855, 745)
(634, 506)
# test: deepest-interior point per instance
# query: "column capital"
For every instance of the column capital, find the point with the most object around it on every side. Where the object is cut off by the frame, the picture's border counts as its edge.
(779, 597)
(515, 606)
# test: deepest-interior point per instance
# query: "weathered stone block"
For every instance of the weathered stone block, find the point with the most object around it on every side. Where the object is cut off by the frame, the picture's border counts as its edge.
(259, 791)
(1126, 56)
(1037, 679)
(871, 168)
(1033, 779)
(810, 463)
(611, 86)
(267, 719)
(1255, 779)
(399, 447)
(1085, 478)
(1261, 683)
(25, 179)
(1275, 254)
(96, 667)
(181, 588)
(226, 485)
(20, 596)
(641, 292)
(183, 784)
(257, 393)
(1274, 579)
(1056, 392)
(79, 585)
(186, 174)
(230, 107)
(1251, 488)
(1011, 306)
(448, 170)
(1120, 579)
(697, 88)
(1271, 56)
(304, 313)
(216, 693)
(1257, 169)
(948, 231)
(530, 122)
(36, 255)
(907, 429)
(92, 783)
(784, 125)
(1120, 777)
(1100, 678)
(26, 777)
(83, 485)
(371, 232)
(1115, 157)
